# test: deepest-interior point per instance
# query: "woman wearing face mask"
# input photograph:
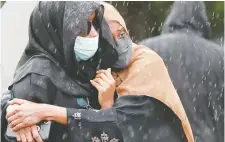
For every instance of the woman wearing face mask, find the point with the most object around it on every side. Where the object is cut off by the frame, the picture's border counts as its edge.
(129, 119)
(68, 43)
(146, 74)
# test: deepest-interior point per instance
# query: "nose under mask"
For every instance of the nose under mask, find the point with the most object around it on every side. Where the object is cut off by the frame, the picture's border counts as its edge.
(124, 49)
(85, 47)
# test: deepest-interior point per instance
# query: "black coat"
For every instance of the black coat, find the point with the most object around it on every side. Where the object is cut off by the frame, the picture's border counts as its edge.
(196, 67)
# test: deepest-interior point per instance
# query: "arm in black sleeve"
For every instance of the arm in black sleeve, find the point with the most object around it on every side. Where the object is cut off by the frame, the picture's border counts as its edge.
(91, 125)
(108, 124)
(132, 118)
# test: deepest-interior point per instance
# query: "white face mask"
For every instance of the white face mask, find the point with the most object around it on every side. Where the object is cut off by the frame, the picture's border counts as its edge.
(85, 47)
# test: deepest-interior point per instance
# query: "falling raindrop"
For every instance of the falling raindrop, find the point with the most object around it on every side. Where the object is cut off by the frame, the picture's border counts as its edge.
(131, 131)
(181, 55)
(116, 5)
(145, 137)
(65, 135)
(153, 28)
(127, 3)
(36, 31)
(124, 3)
(194, 99)
(220, 107)
(210, 93)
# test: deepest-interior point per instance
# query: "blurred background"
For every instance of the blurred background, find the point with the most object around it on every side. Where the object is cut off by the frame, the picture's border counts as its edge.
(145, 19)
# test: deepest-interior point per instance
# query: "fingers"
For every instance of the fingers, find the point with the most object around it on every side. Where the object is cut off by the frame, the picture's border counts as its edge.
(20, 126)
(97, 86)
(15, 122)
(18, 136)
(12, 118)
(101, 82)
(17, 101)
(22, 135)
(104, 78)
(28, 134)
(12, 112)
(35, 134)
(11, 108)
(107, 73)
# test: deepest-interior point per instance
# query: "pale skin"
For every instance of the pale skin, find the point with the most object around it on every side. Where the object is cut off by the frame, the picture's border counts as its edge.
(23, 115)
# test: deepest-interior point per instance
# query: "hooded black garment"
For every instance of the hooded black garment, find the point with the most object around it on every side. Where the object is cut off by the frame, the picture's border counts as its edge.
(196, 67)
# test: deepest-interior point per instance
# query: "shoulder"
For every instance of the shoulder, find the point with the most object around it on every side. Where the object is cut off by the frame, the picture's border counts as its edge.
(144, 54)
(31, 84)
(34, 79)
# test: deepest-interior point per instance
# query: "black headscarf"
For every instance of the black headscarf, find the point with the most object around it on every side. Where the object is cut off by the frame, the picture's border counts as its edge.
(53, 28)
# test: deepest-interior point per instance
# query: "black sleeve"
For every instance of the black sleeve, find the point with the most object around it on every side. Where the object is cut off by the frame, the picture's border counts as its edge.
(93, 125)
(132, 119)
(6, 96)
(109, 125)
(35, 88)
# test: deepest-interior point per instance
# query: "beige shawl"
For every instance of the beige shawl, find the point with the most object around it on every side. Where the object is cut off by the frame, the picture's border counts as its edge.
(147, 75)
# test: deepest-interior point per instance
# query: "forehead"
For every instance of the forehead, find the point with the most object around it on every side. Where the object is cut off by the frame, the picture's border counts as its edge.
(114, 25)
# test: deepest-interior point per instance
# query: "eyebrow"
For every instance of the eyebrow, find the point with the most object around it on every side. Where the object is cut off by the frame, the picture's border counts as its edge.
(120, 29)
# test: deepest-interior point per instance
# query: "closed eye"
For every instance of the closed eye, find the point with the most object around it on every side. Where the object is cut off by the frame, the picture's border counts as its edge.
(122, 34)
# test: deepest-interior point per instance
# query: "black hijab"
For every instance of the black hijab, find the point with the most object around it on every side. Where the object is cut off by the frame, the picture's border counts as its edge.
(53, 28)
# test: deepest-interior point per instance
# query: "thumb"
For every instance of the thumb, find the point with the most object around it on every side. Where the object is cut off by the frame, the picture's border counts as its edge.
(17, 101)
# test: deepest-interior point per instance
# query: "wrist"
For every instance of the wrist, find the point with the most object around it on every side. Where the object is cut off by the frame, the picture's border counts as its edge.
(107, 104)
(55, 113)
(47, 112)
